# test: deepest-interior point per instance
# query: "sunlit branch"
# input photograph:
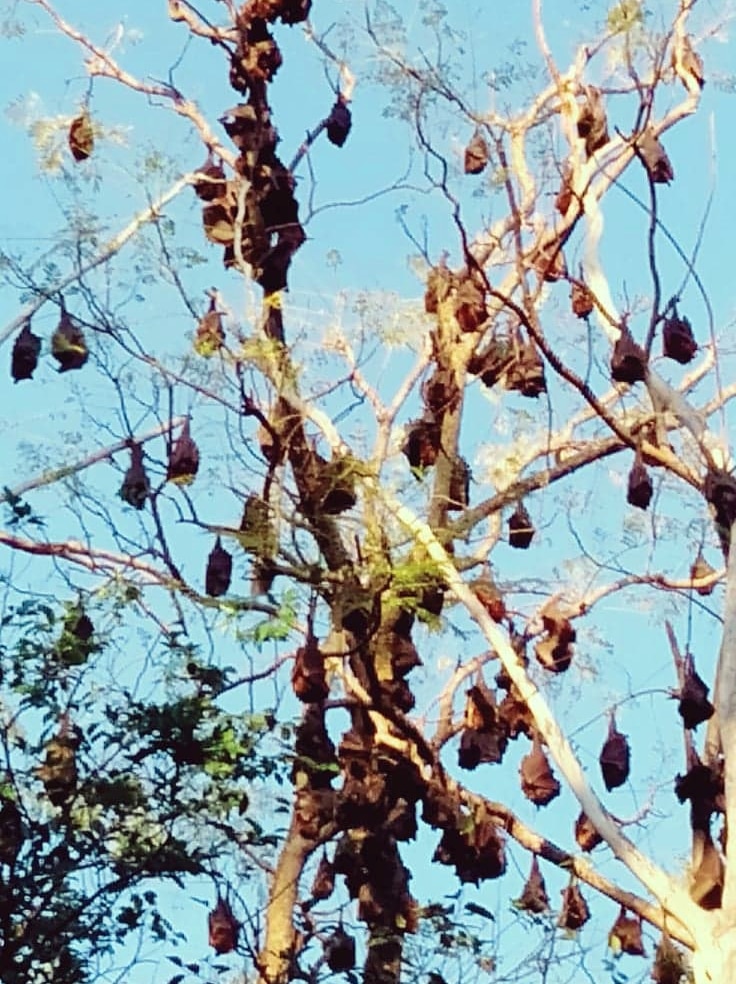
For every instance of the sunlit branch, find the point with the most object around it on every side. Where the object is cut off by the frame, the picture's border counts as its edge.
(663, 887)
(582, 605)
(587, 873)
(116, 565)
(182, 10)
(110, 249)
(104, 454)
(724, 694)
(525, 836)
(104, 65)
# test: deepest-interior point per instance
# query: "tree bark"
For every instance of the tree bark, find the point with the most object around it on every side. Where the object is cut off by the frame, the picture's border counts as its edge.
(383, 961)
(725, 703)
(275, 960)
(715, 961)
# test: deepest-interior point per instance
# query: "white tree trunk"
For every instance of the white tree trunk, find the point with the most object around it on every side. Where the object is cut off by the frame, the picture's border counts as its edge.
(715, 961)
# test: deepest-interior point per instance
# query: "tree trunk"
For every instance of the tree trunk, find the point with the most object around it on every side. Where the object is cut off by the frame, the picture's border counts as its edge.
(715, 963)
(276, 958)
(383, 961)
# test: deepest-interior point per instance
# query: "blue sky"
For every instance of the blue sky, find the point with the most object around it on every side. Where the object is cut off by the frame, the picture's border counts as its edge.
(623, 650)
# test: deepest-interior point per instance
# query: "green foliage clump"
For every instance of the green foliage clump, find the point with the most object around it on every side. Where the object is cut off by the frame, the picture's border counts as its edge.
(153, 788)
(623, 17)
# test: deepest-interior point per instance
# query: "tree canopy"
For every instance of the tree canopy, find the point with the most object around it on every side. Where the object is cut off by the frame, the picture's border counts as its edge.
(368, 580)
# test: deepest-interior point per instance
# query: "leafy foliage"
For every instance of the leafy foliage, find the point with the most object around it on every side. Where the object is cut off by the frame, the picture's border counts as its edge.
(149, 781)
